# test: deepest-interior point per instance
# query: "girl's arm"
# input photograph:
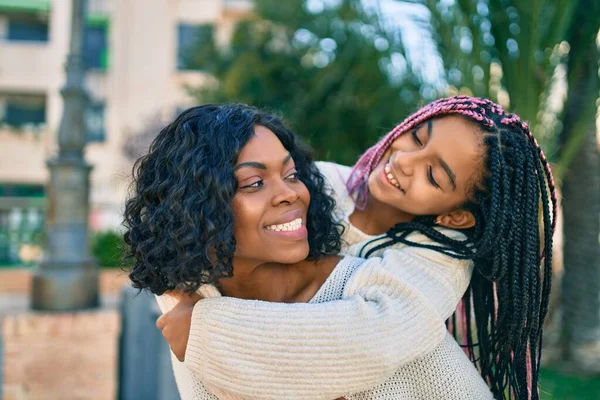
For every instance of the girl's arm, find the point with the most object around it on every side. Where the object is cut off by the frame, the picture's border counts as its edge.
(393, 312)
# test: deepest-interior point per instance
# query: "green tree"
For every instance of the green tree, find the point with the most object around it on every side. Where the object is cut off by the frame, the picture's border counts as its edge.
(505, 50)
(329, 68)
(580, 297)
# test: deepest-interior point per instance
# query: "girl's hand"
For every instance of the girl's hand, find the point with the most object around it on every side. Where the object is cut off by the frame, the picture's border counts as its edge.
(175, 324)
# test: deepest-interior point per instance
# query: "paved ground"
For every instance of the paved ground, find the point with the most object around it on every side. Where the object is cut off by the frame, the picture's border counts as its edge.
(18, 303)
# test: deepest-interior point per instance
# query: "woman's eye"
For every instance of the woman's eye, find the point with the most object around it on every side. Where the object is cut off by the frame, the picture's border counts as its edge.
(255, 185)
(431, 178)
(416, 138)
(294, 176)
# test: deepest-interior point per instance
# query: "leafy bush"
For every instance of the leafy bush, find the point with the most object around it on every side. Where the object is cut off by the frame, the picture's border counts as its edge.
(108, 250)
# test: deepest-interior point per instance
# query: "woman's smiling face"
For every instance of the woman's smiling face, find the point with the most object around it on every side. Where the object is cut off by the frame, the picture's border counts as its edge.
(430, 170)
(270, 205)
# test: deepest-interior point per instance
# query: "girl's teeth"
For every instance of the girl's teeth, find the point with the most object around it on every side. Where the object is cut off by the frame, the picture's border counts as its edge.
(392, 180)
(388, 173)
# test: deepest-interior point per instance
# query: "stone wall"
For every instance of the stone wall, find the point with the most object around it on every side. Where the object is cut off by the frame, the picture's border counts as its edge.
(61, 356)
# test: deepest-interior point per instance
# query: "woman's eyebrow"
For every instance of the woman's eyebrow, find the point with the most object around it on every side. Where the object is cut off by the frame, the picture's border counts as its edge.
(258, 165)
(250, 164)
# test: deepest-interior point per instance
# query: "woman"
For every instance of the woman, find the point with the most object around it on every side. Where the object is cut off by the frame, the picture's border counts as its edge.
(423, 140)
(196, 174)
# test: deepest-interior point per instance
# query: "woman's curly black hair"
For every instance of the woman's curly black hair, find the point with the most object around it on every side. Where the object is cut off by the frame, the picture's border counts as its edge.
(178, 218)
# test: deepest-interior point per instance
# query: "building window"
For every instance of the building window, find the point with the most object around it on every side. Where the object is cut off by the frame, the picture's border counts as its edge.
(20, 110)
(95, 48)
(94, 122)
(27, 29)
(194, 43)
(21, 223)
(24, 20)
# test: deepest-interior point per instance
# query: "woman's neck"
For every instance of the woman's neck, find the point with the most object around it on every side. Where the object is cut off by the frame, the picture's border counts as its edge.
(276, 282)
(377, 217)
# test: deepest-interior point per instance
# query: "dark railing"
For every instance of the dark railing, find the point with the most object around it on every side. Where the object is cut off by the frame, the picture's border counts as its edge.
(145, 361)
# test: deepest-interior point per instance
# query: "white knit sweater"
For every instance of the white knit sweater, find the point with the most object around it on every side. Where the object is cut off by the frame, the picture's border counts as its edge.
(374, 330)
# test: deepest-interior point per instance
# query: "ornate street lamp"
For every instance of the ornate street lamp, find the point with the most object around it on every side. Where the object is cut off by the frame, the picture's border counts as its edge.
(67, 277)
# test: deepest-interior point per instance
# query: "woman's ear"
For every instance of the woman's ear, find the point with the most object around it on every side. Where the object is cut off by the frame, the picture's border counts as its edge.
(459, 219)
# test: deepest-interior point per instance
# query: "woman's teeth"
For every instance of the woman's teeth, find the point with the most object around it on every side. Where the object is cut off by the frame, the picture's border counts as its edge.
(388, 173)
(288, 226)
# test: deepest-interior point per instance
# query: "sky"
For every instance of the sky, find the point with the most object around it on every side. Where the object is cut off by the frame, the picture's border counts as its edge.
(420, 48)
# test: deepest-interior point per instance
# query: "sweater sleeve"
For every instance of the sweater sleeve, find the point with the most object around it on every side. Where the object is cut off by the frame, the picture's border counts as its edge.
(392, 312)
(166, 302)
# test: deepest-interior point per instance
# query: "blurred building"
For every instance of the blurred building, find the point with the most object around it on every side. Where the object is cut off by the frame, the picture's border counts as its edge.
(138, 70)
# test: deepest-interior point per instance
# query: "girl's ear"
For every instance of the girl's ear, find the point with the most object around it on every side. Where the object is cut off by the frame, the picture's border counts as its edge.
(459, 219)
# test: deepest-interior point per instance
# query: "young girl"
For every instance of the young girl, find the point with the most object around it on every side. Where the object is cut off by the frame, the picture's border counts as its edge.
(417, 180)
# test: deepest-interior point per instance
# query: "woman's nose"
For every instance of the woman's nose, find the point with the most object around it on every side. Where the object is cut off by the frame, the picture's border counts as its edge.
(284, 193)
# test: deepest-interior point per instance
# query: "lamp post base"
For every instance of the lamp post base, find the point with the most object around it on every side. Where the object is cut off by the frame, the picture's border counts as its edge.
(65, 286)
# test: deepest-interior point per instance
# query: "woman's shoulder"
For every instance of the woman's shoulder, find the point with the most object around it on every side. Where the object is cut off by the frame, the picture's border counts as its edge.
(335, 174)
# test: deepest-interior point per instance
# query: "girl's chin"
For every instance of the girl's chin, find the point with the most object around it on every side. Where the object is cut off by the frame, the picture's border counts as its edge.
(380, 191)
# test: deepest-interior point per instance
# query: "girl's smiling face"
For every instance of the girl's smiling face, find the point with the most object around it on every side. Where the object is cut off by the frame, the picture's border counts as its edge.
(430, 170)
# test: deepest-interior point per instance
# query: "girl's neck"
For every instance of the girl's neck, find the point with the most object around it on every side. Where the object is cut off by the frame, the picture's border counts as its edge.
(377, 217)
(276, 282)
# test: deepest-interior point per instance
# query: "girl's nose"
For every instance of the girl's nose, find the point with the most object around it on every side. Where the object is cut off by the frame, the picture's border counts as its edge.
(405, 161)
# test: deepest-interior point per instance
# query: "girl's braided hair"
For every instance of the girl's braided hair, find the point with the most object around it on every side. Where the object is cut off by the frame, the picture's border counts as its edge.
(507, 299)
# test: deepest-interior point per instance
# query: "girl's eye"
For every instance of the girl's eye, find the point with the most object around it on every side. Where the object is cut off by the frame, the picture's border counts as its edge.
(431, 178)
(416, 138)
(256, 185)
(294, 176)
